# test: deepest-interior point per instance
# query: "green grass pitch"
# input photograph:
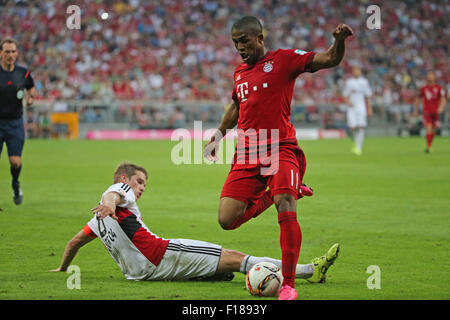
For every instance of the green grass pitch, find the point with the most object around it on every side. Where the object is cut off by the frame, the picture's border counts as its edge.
(388, 208)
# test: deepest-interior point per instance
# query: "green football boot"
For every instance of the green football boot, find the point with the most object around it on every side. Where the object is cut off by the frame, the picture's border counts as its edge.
(322, 264)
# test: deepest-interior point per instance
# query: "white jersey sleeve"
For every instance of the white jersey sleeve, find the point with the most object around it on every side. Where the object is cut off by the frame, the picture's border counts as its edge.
(93, 228)
(128, 198)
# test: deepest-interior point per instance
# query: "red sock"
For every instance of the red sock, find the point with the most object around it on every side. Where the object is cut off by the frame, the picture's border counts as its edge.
(290, 241)
(429, 137)
(255, 210)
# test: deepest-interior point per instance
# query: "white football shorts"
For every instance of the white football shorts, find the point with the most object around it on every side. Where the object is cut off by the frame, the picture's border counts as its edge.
(185, 259)
(356, 118)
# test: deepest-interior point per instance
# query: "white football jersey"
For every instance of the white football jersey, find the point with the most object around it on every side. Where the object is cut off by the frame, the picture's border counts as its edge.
(131, 244)
(356, 89)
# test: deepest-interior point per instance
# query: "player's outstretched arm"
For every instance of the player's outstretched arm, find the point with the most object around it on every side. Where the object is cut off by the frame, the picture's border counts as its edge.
(335, 53)
(229, 121)
(79, 240)
(108, 207)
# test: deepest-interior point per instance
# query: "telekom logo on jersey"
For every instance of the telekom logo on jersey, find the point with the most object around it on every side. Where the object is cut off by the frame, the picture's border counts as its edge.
(242, 147)
(242, 89)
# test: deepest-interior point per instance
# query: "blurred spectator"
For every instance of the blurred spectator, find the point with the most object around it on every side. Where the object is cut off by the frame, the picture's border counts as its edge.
(169, 50)
(45, 130)
(177, 119)
(93, 115)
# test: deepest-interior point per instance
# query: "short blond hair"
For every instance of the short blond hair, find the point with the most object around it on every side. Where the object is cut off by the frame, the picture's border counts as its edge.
(129, 169)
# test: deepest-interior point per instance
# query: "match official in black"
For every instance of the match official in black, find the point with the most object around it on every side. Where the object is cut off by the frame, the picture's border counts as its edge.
(16, 83)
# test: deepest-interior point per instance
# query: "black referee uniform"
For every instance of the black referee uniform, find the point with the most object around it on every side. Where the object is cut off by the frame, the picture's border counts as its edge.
(12, 89)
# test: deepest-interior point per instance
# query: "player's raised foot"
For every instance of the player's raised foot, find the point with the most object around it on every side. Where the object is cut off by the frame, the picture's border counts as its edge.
(306, 191)
(17, 194)
(288, 293)
(322, 264)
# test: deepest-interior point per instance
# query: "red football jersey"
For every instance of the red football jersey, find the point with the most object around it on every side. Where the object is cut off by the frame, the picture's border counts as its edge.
(431, 96)
(264, 92)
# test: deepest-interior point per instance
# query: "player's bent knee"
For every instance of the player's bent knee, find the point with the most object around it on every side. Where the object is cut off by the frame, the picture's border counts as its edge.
(285, 202)
(15, 161)
(229, 211)
(225, 223)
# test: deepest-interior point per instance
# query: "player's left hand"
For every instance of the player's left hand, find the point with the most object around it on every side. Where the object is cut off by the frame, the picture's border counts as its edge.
(57, 270)
(102, 211)
(342, 31)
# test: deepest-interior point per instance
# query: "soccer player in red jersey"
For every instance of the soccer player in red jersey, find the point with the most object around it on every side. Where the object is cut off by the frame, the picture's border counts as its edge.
(433, 105)
(267, 153)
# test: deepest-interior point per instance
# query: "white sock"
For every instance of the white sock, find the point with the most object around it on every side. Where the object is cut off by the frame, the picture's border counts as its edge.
(302, 271)
(359, 138)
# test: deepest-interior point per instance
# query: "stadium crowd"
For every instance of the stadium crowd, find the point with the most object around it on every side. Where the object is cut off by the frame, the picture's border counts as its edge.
(173, 50)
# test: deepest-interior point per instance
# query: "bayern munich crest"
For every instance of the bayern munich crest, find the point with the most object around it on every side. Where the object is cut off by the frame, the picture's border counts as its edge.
(268, 66)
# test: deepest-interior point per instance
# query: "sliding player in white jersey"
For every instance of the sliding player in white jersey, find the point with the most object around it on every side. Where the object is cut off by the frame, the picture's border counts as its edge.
(142, 255)
(357, 95)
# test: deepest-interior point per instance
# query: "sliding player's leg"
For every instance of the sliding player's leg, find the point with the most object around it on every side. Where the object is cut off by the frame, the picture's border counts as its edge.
(315, 272)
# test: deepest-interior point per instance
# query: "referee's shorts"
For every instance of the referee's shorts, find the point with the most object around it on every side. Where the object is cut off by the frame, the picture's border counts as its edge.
(13, 133)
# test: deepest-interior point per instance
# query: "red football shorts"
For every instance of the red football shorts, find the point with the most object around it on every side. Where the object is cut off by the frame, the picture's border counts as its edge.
(248, 185)
(431, 119)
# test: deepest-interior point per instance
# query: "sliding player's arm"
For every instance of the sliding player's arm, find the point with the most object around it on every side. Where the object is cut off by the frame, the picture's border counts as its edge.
(229, 121)
(72, 247)
(108, 206)
(335, 53)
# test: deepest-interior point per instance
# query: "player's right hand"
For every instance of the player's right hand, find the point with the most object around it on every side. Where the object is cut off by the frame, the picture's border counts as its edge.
(211, 151)
(102, 211)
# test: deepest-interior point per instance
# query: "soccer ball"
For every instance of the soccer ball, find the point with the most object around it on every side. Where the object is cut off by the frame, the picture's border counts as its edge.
(264, 279)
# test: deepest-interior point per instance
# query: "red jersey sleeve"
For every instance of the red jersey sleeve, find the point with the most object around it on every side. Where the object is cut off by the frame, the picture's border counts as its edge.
(299, 61)
(87, 231)
(234, 95)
